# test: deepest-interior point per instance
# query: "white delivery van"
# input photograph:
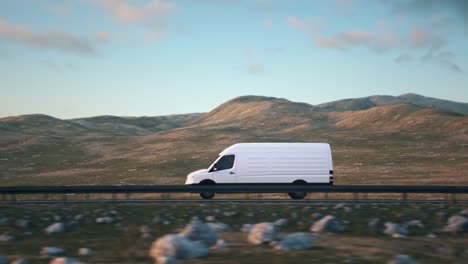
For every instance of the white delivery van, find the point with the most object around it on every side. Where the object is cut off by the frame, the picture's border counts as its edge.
(254, 163)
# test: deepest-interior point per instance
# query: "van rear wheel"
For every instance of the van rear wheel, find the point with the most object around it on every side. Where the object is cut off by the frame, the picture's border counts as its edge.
(298, 195)
(207, 195)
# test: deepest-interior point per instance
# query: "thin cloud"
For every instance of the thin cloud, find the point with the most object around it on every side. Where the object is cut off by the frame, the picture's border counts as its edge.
(127, 13)
(255, 68)
(102, 37)
(403, 58)
(382, 39)
(51, 39)
(458, 8)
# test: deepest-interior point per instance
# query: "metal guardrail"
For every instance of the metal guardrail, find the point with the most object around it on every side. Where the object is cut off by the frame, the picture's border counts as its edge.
(232, 188)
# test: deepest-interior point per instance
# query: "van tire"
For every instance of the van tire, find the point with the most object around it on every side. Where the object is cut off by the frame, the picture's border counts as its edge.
(207, 195)
(298, 195)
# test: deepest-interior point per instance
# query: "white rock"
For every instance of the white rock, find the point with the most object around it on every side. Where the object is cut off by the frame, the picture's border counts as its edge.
(104, 220)
(167, 260)
(395, 230)
(64, 261)
(414, 223)
(373, 222)
(402, 259)
(20, 261)
(220, 243)
(282, 222)
(219, 227)
(246, 228)
(327, 224)
(85, 252)
(7, 238)
(210, 218)
(196, 230)
(297, 241)
(262, 233)
(51, 251)
(177, 247)
(55, 228)
(456, 223)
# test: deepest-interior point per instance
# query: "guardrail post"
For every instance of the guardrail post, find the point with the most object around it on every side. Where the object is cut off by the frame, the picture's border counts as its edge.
(325, 196)
(404, 197)
(114, 195)
(365, 196)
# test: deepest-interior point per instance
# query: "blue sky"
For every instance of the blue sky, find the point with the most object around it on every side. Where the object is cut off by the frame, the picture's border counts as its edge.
(156, 57)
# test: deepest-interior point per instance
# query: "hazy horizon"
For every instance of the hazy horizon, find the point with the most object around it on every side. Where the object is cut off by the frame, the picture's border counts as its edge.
(71, 59)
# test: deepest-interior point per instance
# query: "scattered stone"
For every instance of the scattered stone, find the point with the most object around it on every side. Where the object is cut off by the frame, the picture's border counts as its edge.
(78, 217)
(7, 238)
(442, 215)
(22, 223)
(85, 252)
(327, 224)
(167, 260)
(373, 222)
(414, 224)
(262, 233)
(229, 214)
(431, 235)
(51, 251)
(196, 230)
(4, 221)
(64, 261)
(456, 223)
(157, 220)
(145, 229)
(297, 241)
(464, 212)
(210, 218)
(20, 261)
(339, 205)
(219, 227)
(146, 236)
(395, 230)
(283, 222)
(402, 259)
(57, 218)
(104, 220)
(246, 228)
(220, 243)
(316, 215)
(177, 247)
(55, 228)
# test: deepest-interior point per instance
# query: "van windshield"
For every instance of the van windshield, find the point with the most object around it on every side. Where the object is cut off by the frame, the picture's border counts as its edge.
(224, 163)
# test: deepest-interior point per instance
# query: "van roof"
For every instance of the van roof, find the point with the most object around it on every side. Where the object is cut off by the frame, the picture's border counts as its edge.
(242, 147)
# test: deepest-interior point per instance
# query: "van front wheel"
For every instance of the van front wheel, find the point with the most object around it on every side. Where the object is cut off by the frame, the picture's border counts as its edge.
(207, 195)
(298, 195)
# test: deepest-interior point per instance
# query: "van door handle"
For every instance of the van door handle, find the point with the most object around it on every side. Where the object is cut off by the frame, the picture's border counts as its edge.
(232, 172)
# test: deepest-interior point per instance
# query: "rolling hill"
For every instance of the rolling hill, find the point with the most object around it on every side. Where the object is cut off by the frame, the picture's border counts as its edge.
(381, 140)
(379, 100)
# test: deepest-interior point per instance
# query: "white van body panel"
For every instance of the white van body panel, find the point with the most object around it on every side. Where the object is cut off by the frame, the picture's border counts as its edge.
(272, 163)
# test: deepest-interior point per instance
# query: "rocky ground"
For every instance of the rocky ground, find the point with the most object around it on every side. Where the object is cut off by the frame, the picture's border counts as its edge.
(200, 232)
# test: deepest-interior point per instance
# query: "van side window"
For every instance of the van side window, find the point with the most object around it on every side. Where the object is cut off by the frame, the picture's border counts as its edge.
(224, 163)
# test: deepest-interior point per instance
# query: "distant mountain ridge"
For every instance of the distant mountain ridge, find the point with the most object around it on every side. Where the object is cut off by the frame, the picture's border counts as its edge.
(379, 100)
